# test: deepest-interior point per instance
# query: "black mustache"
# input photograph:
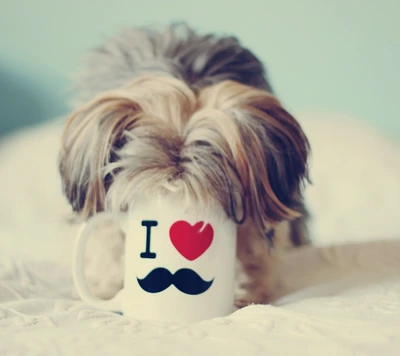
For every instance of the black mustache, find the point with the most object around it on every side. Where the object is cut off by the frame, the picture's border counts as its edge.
(185, 279)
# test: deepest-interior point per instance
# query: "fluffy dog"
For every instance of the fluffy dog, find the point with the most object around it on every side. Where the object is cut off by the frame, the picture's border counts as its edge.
(173, 110)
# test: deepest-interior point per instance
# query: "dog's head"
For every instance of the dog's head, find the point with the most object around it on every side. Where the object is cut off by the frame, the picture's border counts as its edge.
(228, 142)
(199, 60)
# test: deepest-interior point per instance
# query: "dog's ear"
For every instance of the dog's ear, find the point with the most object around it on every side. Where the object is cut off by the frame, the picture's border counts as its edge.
(91, 137)
(270, 151)
(277, 158)
(148, 116)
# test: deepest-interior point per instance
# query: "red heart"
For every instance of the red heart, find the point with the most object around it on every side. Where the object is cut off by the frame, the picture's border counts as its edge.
(191, 241)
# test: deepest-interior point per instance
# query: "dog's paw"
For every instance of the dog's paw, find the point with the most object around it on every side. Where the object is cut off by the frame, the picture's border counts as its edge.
(104, 259)
(253, 288)
(246, 296)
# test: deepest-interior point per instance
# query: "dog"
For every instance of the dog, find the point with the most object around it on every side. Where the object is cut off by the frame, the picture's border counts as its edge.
(159, 110)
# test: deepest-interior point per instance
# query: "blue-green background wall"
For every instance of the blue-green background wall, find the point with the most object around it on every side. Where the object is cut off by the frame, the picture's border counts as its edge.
(333, 55)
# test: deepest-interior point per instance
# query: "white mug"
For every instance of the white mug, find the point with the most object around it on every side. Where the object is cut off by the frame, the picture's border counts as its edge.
(179, 262)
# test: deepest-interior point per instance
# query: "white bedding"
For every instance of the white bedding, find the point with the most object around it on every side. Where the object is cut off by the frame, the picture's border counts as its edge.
(339, 300)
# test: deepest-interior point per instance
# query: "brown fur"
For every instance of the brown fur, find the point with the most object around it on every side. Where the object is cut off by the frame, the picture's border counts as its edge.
(229, 142)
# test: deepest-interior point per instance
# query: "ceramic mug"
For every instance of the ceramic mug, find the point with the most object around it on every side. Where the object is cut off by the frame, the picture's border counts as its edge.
(179, 262)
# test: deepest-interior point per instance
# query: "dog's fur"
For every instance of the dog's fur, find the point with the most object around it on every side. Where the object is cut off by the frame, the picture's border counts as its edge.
(174, 111)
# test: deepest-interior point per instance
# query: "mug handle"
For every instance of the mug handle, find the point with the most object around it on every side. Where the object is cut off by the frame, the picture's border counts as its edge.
(78, 263)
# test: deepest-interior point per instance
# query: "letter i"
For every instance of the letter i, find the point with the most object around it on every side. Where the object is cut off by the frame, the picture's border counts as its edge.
(149, 224)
